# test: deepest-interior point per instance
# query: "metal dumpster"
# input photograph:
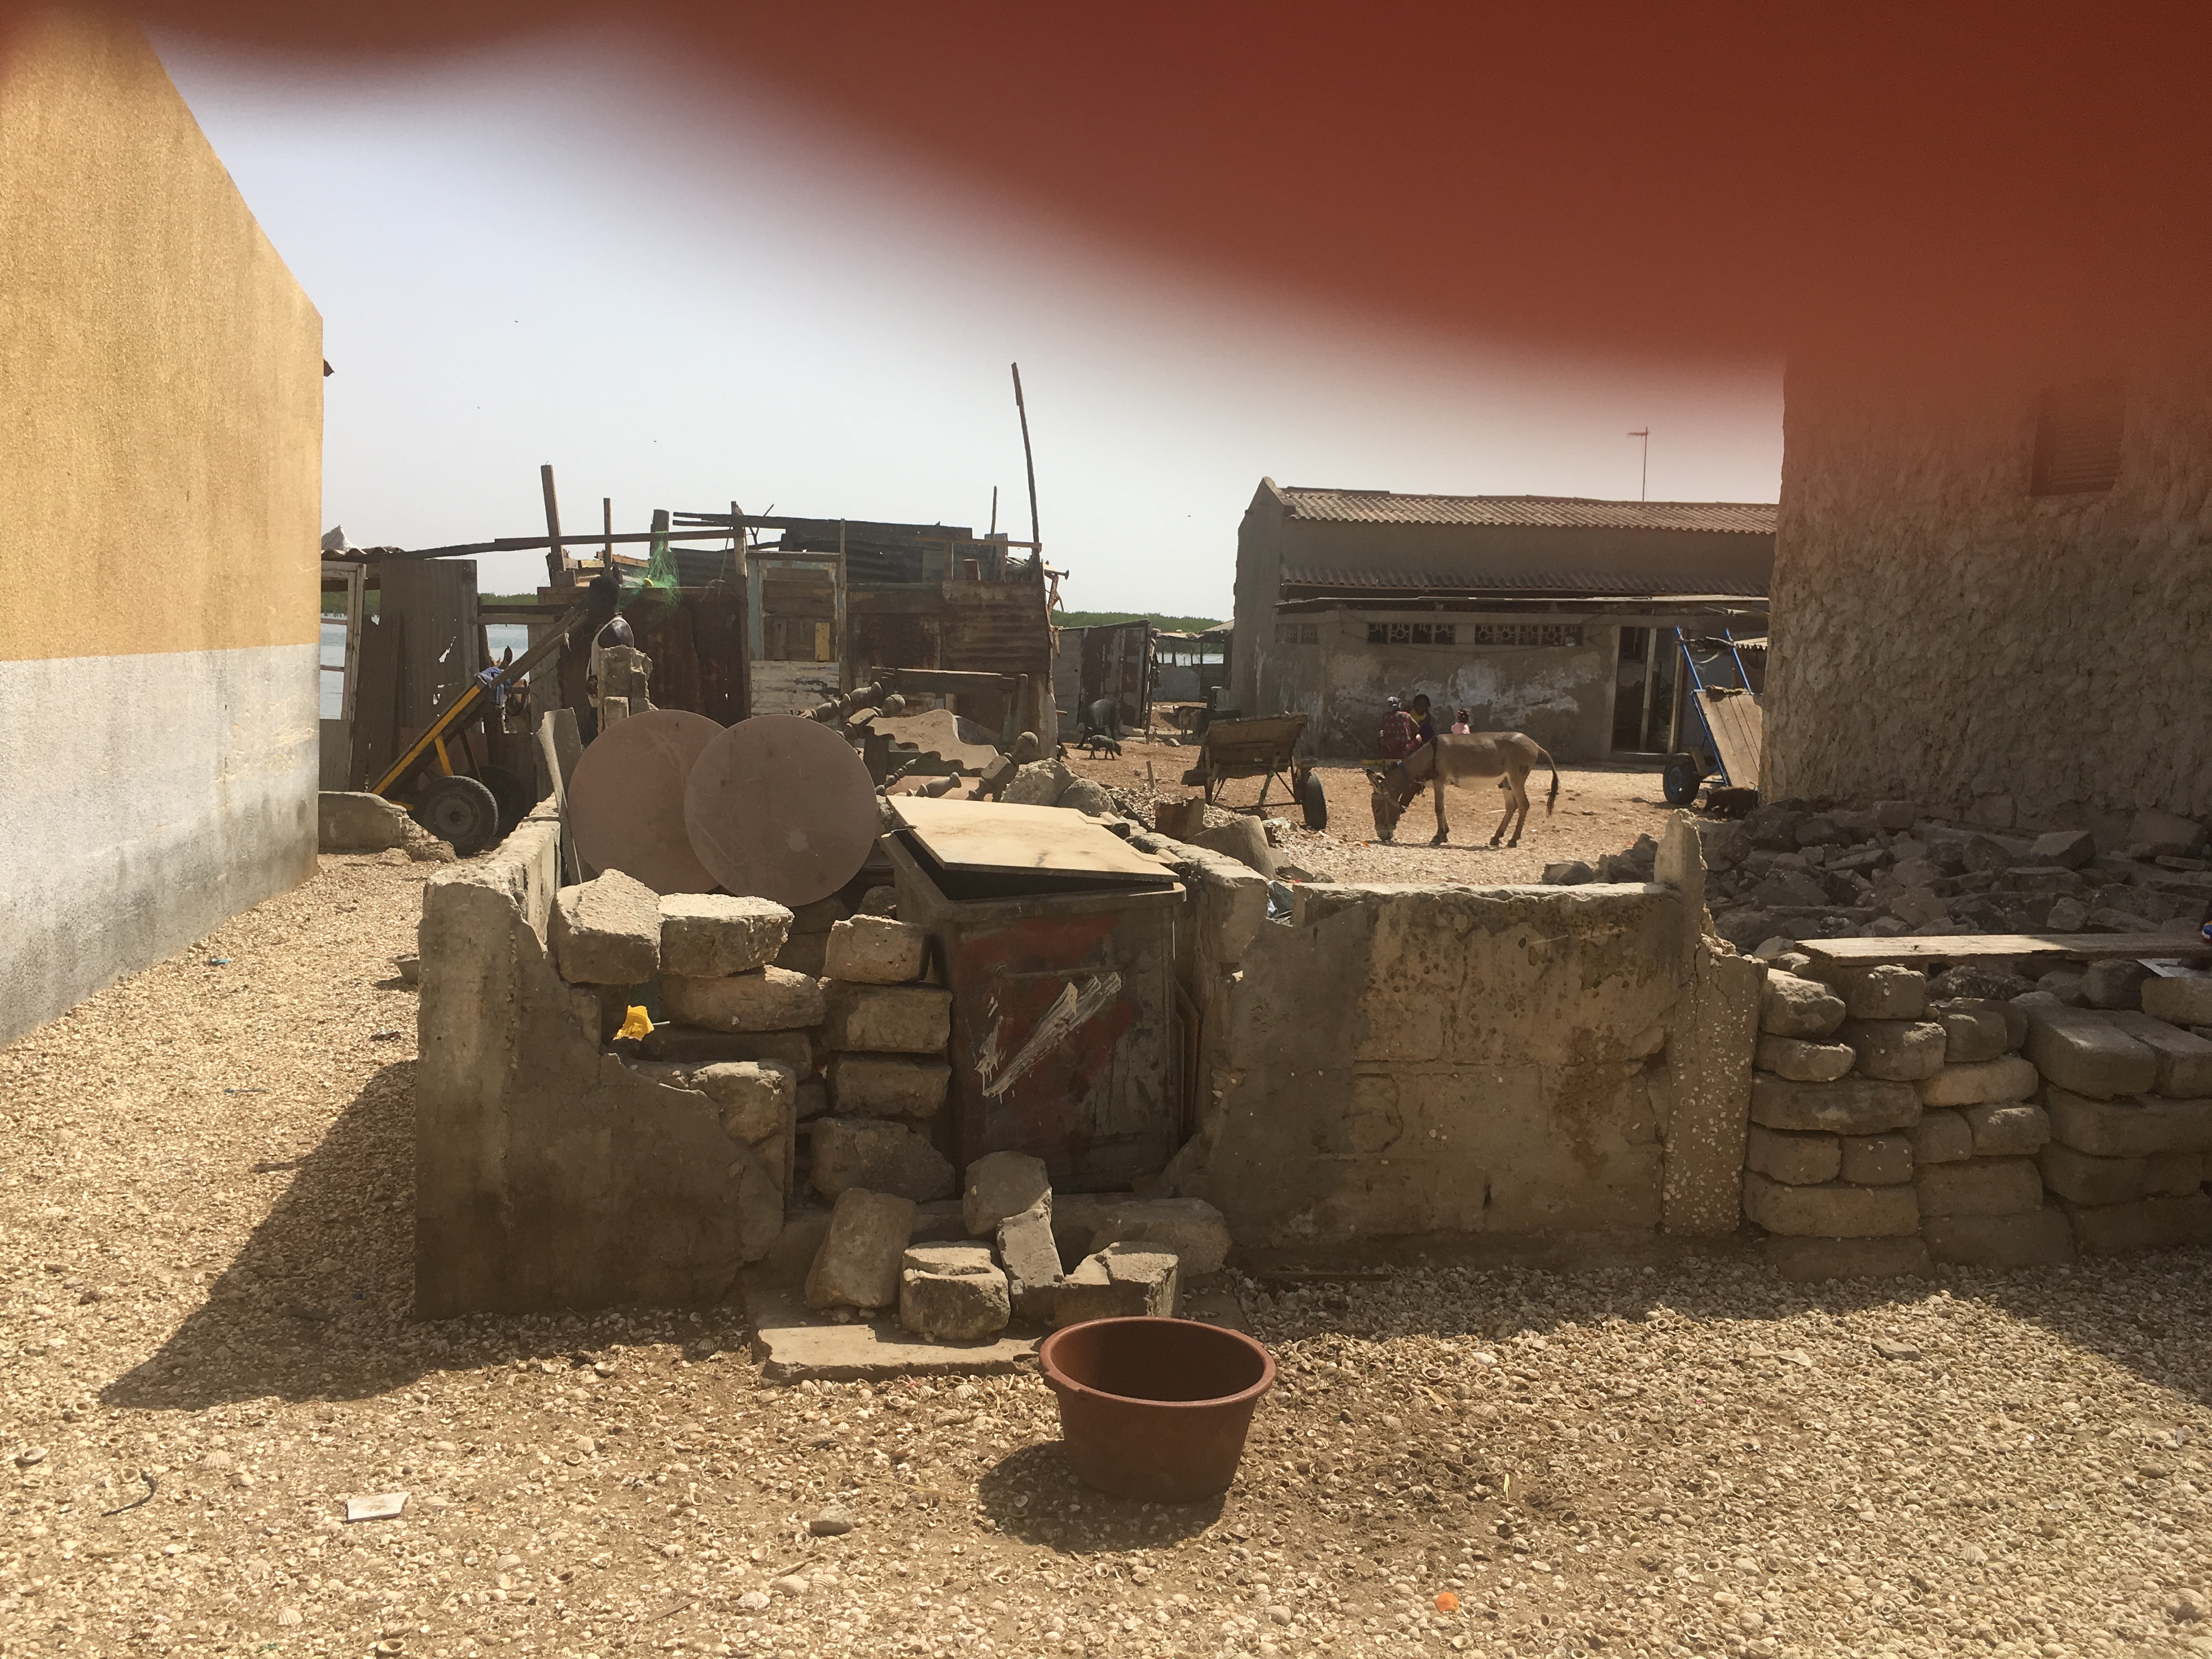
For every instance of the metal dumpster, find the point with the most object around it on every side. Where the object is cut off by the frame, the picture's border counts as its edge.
(1058, 942)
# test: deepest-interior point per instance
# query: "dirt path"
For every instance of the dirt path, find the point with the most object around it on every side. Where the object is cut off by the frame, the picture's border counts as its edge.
(208, 1290)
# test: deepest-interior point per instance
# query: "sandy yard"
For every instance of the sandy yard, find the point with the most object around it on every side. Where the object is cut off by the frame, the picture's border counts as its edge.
(1601, 809)
(204, 1346)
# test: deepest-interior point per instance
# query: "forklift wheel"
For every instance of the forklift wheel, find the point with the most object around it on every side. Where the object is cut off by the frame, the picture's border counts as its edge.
(461, 811)
(1681, 779)
(512, 795)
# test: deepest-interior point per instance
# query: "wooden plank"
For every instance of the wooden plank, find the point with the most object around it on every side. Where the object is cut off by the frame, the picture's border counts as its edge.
(1967, 947)
(1739, 729)
(985, 836)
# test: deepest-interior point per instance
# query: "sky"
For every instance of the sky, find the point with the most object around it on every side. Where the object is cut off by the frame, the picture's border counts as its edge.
(574, 250)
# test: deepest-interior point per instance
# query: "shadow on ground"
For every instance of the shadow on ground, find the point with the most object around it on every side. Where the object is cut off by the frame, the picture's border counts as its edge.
(317, 1305)
(1033, 1495)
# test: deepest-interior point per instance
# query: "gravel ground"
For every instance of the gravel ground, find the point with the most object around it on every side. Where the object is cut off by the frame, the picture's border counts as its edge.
(206, 1293)
(1601, 809)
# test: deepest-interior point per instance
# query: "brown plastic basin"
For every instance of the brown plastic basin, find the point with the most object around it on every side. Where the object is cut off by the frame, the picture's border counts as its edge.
(1155, 1408)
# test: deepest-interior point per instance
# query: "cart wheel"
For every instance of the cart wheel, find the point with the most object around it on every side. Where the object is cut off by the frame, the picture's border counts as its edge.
(1316, 803)
(1681, 779)
(461, 811)
(512, 795)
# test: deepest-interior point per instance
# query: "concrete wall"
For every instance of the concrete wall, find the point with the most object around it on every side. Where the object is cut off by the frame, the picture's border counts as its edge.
(547, 1174)
(1942, 635)
(1407, 1061)
(160, 418)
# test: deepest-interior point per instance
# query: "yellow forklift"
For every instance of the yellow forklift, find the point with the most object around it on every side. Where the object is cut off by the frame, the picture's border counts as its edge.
(475, 808)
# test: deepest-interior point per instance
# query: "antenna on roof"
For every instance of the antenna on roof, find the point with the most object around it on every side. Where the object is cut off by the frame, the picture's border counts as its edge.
(1643, 484)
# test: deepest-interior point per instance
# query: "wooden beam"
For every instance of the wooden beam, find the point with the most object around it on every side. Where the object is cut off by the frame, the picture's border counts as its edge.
(556, 566)
(1968, 947)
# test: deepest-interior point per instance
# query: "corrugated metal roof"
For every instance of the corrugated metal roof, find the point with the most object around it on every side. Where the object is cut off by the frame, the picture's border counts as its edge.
(1476, 580)
(1552, 512)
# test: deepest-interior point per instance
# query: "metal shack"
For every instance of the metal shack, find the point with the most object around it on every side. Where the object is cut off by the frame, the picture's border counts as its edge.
(1057, 940)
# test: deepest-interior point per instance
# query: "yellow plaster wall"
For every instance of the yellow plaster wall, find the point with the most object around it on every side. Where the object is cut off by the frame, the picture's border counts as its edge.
(161, 371)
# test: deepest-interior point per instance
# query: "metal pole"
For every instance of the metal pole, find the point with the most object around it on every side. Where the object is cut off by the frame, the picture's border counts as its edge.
(1029, 460)
(607, 518)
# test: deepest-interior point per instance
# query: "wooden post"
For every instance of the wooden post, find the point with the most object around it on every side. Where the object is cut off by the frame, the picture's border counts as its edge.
(607, 520)
(1651, 679)
(557, 562)
(1037, 541)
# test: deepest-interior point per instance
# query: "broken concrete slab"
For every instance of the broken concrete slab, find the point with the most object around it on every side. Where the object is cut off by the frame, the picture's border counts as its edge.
(758, 1097)
(794, 1345)
(2070, 848)
(764, 999)
(953, 1293)
(607, 930)
(1850, 1105)
(1119, 1282)
(882, 1156)
(888, 1085)
(1193, 1229)
(353, 821)
(876, 951)
(900, 1019)
(857, 1265)
(1031, 1260)
(709, 935)
(1001, 1184)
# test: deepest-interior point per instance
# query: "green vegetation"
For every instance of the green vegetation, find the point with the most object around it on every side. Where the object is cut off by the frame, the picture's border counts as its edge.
(1102, 618)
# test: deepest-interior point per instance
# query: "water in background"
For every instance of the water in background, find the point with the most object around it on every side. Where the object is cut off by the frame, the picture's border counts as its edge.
(502, 635)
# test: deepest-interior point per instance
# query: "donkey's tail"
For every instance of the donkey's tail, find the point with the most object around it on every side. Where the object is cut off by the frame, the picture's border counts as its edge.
(1551, 800)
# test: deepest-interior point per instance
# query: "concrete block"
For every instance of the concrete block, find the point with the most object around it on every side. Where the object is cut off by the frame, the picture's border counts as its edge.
(897, 1019)
(606, 932)
(350, 821)
(2128, 1128)
(857, 1265)
(1120, 1281)
(1941, 1136)
(690, 1045)
(1974, 1030)
(804, 953)
(2185, 1060)
(2178, 1001)
(2016, 1128)
(2175, 1174)
(1978, 1083)
(1849, 1106)
(1232, 908)
(1810, 1261)
(707, 935)
(2084, 1178)
(765, 999)
(1243, 839)
(1895, 815)
(1883, 992)
(2086, 1053)
(2041, 1238)
(1877, 1160)
(1980, 1185)
(1799, 1160)
(1001, 1184)
(888, 1085)
(2168, 832)
(953, 1293)
(2115, 983)
(2148, 1224)
(794, 1346)
(1193, 1229)
(1895, 1050)
(880, 1156)
(1802, 1061)
(1031, 1260)
(1179, 818)
(876, 951)
(2070, 848)
(757, 1097)
(1830, 1210)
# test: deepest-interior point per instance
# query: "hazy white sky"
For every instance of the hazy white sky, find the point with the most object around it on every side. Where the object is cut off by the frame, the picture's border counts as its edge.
(577, 251)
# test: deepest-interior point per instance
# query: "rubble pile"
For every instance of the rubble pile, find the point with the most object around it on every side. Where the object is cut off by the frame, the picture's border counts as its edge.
(1897, 1121)
(1798, 870)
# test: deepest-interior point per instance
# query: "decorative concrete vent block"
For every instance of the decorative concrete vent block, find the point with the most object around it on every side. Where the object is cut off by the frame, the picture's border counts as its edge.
(607, 931)
(953, 1293)
(765, 999)
(707, 935)
(876, 951)
(858, 1265)
(888, 1085)
(897, 1019)
(1120, 1282)
(881, 1156)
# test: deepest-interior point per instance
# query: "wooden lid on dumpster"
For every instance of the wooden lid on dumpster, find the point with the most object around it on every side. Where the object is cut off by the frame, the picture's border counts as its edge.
(976, 835)
(626, 799)
(782, 808)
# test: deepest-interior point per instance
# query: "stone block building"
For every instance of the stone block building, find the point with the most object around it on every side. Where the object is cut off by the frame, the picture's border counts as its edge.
(1539, 614)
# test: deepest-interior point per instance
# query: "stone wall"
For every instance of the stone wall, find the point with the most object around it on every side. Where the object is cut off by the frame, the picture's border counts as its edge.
(1407, 1061)
(1941, 636)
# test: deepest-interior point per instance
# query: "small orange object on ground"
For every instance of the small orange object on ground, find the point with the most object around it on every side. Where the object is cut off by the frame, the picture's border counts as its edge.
(1447, 1602)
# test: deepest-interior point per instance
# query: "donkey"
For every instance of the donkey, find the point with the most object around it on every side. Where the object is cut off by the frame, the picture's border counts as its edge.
(1460, 757)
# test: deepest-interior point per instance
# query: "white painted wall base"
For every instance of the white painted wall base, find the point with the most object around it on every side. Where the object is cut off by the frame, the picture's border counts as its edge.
(144, 800)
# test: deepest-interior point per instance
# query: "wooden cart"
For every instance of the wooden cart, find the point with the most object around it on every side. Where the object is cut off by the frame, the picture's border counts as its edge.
(1265, 749)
